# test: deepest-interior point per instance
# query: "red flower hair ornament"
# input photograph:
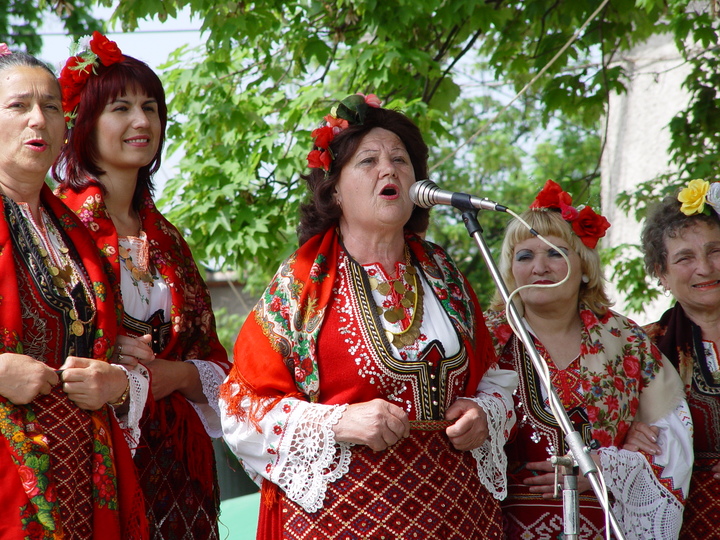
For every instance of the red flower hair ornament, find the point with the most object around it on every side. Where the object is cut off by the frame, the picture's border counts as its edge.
(78, 68)
(585, 222)
(350, 111)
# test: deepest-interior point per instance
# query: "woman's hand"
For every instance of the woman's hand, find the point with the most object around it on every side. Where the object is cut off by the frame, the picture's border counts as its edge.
(129, 350)
(167, 376)
(23, 378)
(92, 383)
(643, 437)
(545, 483)
(716, 470)
(377, 424)
(470, 429)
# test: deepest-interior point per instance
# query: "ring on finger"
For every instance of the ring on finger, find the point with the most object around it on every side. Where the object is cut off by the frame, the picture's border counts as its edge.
(120, 357)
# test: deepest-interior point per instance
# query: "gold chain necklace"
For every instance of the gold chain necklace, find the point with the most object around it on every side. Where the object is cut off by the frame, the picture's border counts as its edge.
(410, 298)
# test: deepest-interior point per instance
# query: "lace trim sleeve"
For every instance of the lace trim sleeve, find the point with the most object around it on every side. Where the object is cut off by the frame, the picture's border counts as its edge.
(314, 458)
(491, 458)
(139, 379)
(650, 491)
(211, 377)
(643, 506)
(494, 396)
(294, 448)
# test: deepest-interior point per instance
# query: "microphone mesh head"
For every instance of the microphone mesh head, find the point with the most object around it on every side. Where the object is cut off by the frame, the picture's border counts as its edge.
(420, 193)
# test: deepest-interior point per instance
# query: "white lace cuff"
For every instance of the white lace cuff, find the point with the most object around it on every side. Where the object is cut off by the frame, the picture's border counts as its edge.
(491, 458)
(314, 458)
(211, 376)
(643, 507)
(139, 380)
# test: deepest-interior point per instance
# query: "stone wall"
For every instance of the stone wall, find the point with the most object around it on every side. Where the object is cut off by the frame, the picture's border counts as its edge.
(636, 142)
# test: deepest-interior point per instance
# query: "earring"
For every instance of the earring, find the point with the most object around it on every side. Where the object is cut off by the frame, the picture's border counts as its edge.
(585, 278)
(666, 292)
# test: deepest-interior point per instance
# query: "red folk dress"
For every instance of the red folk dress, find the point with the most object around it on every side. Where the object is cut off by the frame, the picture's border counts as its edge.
(315, 343)
(174, 455)
(64, 472)
(698, 364)
(618, 377)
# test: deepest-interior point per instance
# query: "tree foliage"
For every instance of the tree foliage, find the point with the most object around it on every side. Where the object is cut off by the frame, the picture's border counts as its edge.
(695, 140)
(244, 104)
(20, 21)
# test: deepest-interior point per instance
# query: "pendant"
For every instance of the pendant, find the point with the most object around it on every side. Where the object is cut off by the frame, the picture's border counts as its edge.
(383, 288)
(77, 328)
(391, 316)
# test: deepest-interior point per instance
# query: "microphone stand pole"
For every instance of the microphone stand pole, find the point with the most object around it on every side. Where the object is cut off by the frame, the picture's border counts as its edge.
(577, 450)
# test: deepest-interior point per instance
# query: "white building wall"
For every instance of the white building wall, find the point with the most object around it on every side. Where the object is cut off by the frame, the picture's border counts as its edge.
(637, 139)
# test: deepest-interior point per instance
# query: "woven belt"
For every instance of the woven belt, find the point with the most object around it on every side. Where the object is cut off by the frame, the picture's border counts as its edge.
(430, 425)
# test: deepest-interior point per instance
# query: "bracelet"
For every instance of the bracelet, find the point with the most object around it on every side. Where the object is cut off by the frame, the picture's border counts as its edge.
(124, 396)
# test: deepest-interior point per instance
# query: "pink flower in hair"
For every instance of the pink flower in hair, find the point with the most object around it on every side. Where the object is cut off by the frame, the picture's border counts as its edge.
(371, 99)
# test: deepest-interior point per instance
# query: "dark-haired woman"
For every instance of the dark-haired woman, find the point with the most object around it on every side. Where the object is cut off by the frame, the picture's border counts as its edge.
(65, 467)
(681, 243)
(116, 107)
(365, 398)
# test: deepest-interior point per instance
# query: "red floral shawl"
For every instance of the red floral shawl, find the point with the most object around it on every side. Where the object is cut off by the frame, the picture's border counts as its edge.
(119, 508)
(193, 334)
(280, 335)
(624, 375)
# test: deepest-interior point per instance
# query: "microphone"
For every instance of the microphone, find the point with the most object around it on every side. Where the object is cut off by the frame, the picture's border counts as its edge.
(426, 194)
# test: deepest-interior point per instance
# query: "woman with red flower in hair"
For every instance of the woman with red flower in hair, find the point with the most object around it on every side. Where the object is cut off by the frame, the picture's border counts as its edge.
(606, 373)
(116, 113)
(66, 471)
(365, 397)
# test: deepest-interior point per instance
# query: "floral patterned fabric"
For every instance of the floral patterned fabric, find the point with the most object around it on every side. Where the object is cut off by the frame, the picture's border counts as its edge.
(55, 457)
(697, 361)
(174, 457)
(618, 377)
(315, 343)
